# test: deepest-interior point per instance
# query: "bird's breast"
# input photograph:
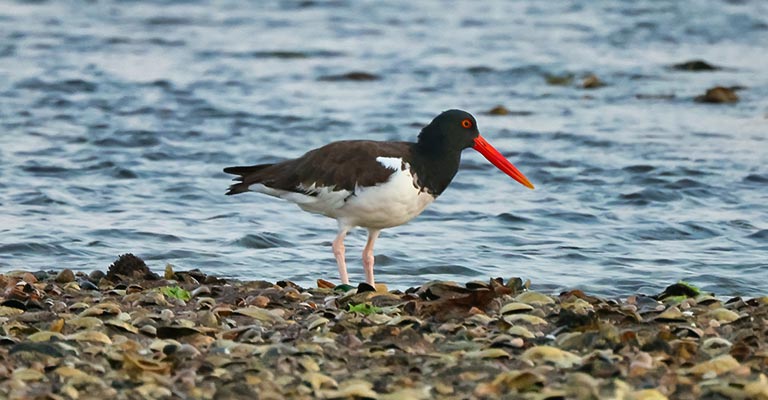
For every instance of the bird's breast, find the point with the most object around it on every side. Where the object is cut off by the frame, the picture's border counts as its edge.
(393, 202)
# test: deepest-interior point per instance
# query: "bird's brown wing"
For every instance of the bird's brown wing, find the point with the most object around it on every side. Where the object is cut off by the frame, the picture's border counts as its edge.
(341, 165)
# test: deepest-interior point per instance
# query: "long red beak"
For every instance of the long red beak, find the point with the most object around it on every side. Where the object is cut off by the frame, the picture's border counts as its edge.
(493, 155)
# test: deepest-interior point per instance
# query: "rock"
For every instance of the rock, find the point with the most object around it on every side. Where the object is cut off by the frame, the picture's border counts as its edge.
(723, 315)
(672, 314)
(515, 307)
(534, 298)
(128, 266)
(552, 355)
(716, 366)
(718, 94)
(520, 331)
(65, 276)
(488, 353)
(757, 389)
(323, 284)
(559, 80)
(96, 276)
(647, 394)
(354, 388)
(715, 346)
(87, 285)
(364, 287)
(45, 348)
(518, 380)
(357, 76)
(695, 66)
(679, 289)
(498, 110)
(592, 82)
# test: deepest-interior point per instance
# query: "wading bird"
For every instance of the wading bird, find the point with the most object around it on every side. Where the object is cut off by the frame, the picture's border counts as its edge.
(370, 184)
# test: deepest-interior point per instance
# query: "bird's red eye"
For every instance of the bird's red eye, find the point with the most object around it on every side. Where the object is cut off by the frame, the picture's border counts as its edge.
(467, 123)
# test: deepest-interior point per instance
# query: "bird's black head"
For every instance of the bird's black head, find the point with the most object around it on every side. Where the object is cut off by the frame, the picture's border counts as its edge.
(449, 133)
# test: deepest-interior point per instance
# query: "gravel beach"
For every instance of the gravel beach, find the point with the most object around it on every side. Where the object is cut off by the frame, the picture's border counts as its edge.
(133, 334)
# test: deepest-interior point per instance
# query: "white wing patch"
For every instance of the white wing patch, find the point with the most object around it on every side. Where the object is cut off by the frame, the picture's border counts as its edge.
(323, 200)
(393, 163)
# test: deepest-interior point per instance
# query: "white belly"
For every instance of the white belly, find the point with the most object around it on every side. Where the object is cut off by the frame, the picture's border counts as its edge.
(383, 206)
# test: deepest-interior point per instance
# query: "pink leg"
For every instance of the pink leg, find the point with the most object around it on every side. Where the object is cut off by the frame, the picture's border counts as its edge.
(368, 255)
(338, 252)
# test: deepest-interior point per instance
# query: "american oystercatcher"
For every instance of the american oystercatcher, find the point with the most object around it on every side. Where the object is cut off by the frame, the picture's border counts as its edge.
(374, 185)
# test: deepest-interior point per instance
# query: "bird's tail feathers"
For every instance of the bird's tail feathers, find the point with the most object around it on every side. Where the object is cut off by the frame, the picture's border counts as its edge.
(247, 176)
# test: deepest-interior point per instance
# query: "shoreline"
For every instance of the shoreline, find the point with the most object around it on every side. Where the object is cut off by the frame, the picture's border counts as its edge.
(134, 334)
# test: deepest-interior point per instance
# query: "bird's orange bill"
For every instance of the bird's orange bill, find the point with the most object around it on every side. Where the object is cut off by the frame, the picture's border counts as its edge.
(493, 155)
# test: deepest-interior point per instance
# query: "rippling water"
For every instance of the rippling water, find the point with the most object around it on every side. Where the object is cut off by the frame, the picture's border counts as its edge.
(116, 119)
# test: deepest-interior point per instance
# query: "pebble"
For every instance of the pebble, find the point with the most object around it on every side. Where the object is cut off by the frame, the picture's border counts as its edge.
(718, 94)
(483, 339)
(65, 276)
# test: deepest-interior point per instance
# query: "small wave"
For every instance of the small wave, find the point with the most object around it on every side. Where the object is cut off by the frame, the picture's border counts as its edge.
(584, 140)
(123, 173)
(37, 198)
(698, 231)
(761, 235)
(649, 195)
(684, 171)
(570, 216)
(265, 240)
(572, 256)
(64, 86)
(35, 248)
(168, 21)
(446, 269)
(130, 138)
(741, 224)
(639, 169)
(756, 178)
(133, 234)
(687, 231)
(266, 54)
(685, 183)
(512, 218)
(46, 170)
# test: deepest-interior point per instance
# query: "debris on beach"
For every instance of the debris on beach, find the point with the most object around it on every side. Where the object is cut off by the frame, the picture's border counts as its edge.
(144, 336)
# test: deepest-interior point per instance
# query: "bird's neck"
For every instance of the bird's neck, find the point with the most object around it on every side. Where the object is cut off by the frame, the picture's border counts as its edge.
(434, 170)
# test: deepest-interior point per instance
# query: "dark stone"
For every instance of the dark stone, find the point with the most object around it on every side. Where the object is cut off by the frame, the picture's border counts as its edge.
(15, 303)
(128, 266)
(695, 66)
(170, 349)
(47, 348)
(175, 332)
(96, 275)
(657, 344)
(357, 76)
(87, 285)
(678, 289)
(41, 275)
(364, 287)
